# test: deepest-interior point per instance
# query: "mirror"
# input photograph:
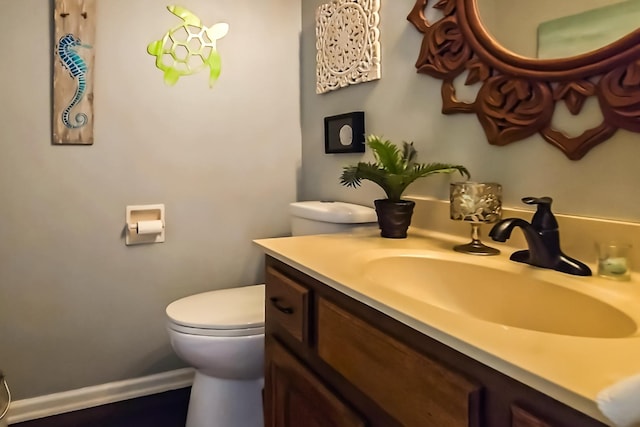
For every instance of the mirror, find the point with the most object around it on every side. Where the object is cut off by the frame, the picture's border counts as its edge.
(547, 29)
(519, 92)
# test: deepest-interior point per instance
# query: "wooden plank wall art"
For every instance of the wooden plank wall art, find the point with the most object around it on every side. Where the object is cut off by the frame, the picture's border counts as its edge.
(73, 71)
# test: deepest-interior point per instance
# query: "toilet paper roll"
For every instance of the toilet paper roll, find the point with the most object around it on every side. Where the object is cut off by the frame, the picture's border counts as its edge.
(150, 227)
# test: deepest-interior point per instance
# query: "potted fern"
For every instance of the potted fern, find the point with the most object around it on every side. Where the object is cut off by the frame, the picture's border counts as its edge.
(393, 170)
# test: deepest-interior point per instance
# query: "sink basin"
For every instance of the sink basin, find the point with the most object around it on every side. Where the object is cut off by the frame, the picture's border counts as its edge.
(499, 296)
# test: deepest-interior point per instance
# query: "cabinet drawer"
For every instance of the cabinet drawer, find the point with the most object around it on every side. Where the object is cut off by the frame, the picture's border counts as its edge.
(414, 389)
(287, 304)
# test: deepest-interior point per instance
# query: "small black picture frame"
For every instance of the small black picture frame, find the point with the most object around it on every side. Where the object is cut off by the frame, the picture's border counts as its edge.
(344, 133)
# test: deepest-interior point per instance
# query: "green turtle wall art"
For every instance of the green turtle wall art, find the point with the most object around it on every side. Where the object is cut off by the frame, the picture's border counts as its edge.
(188, 48)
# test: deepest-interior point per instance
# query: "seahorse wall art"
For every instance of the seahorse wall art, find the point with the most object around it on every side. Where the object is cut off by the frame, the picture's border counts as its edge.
(73, 77)
(73, 62)
(188, 48)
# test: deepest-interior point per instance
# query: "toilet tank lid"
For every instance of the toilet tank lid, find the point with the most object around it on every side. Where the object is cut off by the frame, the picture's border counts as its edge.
(336, 212)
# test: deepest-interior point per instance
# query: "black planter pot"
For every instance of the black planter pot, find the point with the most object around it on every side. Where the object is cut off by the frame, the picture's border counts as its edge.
(394, 218)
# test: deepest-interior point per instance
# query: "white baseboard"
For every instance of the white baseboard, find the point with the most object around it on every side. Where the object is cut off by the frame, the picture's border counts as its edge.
(102, 394)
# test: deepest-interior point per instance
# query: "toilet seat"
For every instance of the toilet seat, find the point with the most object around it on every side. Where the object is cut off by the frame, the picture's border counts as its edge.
(230, 312)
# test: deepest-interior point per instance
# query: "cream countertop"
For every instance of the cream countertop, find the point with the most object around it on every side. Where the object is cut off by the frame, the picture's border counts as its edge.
(571, 369)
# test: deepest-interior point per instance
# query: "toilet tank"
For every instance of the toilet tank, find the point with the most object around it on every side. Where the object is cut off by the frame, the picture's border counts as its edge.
(320, 217)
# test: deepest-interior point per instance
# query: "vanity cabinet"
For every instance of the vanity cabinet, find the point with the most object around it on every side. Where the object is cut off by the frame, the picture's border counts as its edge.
(298, 398)
(332, 361)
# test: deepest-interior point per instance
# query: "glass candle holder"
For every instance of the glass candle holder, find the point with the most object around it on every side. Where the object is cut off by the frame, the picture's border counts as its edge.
(477, 203)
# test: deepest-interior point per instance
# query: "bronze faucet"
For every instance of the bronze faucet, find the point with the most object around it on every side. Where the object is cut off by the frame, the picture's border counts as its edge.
(543, 239)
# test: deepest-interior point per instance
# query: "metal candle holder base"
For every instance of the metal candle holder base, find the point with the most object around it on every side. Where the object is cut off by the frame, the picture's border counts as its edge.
(476, 247)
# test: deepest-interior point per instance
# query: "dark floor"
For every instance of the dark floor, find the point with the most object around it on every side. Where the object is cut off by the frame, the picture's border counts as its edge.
(168, 409)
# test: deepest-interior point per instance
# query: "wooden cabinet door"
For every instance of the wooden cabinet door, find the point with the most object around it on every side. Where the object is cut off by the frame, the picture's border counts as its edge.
(522, 418)
(295, 397)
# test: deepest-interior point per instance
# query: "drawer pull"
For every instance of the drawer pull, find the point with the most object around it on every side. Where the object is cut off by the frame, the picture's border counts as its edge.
(276, 303)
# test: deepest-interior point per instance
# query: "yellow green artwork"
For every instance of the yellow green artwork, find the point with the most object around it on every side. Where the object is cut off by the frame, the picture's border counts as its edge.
(587, 31)
(188, 48)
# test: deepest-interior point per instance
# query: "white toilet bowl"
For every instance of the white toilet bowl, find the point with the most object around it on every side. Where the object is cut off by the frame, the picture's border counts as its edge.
(221, 334)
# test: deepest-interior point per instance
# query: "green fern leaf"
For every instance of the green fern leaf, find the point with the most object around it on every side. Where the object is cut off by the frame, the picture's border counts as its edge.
(394, 169)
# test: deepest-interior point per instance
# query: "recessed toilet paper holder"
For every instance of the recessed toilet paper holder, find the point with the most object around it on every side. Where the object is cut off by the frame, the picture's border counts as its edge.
(145, 224)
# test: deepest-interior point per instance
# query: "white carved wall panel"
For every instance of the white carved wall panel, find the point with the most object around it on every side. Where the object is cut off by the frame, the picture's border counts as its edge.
(348, 43)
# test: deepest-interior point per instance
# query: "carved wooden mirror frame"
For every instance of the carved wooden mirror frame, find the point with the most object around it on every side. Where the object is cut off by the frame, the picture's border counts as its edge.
(518, 95)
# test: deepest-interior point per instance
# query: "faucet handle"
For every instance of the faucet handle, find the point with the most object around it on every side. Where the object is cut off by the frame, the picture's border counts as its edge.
(537, 200)
(543, 219)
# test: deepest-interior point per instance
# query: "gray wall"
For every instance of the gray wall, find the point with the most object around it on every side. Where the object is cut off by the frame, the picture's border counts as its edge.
(78, 307)
(404, 105)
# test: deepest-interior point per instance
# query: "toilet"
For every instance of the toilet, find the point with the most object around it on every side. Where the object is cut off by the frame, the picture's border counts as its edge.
(221, 333)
